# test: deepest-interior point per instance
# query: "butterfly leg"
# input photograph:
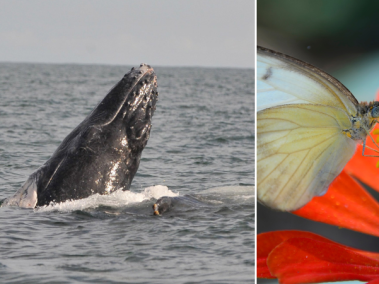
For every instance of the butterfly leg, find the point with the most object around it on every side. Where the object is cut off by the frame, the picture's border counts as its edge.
(364, 147)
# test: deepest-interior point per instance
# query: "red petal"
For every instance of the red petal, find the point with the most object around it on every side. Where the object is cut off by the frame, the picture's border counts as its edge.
(304, 260)
(266, 242)
(364, 168)
(262, 269)
(375, 281)
(346, 204)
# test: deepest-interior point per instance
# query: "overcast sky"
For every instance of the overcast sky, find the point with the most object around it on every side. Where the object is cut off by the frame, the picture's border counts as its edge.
(215, 33)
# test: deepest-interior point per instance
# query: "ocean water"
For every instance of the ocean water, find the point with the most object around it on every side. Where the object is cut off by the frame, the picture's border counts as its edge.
(201, 145)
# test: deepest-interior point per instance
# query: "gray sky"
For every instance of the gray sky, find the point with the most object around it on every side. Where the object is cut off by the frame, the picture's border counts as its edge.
(216, 33)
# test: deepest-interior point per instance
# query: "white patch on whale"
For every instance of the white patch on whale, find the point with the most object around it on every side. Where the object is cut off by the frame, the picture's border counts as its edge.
(26, 196)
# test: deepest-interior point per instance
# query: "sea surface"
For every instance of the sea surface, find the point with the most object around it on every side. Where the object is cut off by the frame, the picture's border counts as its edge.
(201, 145)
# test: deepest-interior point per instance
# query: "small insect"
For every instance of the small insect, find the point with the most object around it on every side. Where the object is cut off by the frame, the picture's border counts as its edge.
(308, 127)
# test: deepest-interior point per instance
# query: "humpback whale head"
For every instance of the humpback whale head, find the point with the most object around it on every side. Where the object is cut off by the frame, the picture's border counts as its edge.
(132, 101)
(101, 154)
(131, 104)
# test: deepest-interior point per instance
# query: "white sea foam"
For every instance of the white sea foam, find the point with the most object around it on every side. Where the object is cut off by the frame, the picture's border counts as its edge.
(231, 190)
(116, 199)
(229, 194)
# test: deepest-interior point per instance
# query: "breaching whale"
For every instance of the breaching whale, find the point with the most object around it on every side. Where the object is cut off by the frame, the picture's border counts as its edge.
(102, 153)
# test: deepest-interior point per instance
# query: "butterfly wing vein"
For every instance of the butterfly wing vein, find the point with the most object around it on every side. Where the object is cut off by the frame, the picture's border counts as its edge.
(301, 149)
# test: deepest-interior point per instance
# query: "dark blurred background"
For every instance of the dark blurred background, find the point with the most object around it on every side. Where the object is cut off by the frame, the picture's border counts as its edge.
(342, 38)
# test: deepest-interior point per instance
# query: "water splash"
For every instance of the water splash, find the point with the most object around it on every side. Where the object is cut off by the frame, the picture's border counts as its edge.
(116, 199)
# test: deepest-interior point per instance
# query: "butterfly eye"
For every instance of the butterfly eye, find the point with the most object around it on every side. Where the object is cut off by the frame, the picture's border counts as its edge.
(375, 112)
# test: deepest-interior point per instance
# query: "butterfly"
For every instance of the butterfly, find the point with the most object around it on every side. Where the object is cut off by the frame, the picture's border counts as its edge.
(308, 127)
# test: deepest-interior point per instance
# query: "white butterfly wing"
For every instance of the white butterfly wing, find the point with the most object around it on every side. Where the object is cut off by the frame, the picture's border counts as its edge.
(285, 80)
(301, 147)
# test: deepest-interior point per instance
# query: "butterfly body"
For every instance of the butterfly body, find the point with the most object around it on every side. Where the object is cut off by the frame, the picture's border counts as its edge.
(363, 121)
(308, 127)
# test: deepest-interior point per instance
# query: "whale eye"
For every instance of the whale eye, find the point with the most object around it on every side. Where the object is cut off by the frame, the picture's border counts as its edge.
(375, 112)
